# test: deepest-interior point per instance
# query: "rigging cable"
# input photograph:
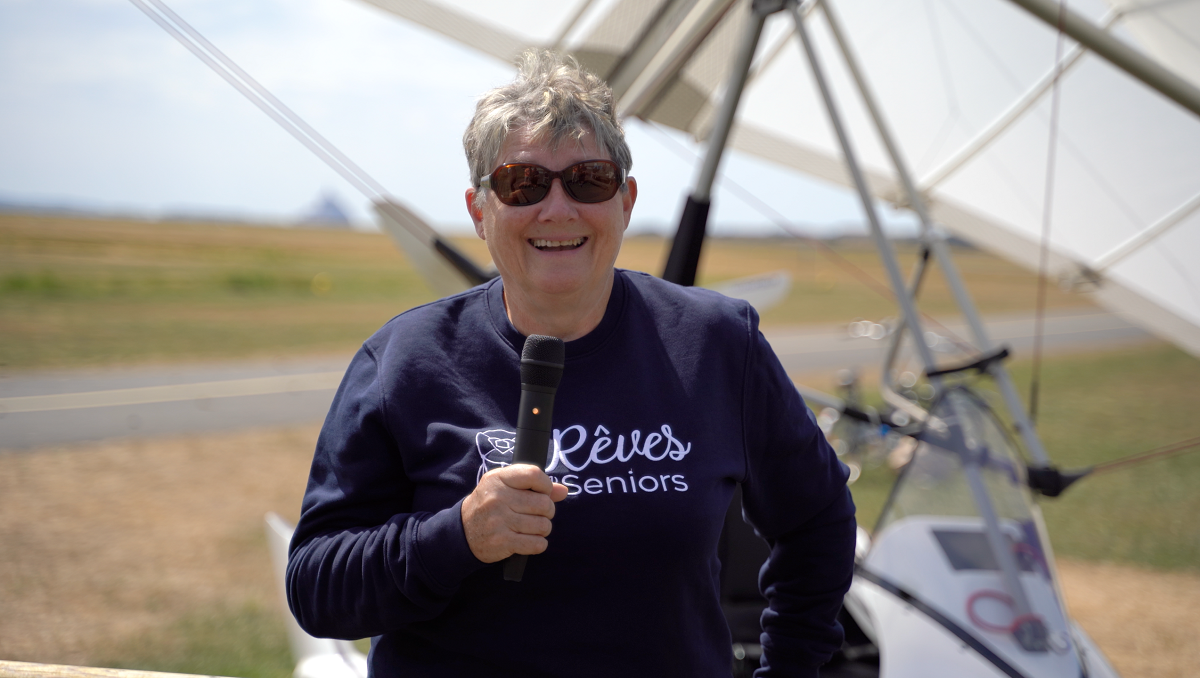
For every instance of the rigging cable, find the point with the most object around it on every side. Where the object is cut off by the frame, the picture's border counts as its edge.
(244, 83)
(781, 221)
(1047, 211)
(258, 95)
(776, 217)
(1157, 453)
(954, 113)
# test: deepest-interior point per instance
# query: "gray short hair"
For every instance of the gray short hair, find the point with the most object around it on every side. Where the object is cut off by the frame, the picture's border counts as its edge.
(556, 99)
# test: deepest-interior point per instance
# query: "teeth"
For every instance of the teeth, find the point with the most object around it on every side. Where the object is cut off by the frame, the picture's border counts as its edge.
(557, 244)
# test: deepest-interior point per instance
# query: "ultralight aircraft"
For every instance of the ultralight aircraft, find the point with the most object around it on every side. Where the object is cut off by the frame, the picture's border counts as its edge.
(1063, 137)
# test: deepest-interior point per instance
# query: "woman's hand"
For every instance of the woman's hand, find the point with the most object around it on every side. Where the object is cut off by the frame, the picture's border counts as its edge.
(510, 511)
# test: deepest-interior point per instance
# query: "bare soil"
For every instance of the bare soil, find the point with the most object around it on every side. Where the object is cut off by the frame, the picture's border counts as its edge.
(1147, 622)
(103, 543)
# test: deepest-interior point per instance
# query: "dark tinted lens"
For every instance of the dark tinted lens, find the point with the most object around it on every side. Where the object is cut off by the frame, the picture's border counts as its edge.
(521, 184)
(592, 181)
(524, 184)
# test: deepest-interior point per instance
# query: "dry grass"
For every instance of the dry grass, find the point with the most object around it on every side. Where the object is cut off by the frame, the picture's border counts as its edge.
(92, 291)
(839, 281)
(1148, 623)
(85, 292)
(108, 544)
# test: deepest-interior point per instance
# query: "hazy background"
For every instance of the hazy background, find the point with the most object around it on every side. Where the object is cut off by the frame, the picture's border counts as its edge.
(101, 110)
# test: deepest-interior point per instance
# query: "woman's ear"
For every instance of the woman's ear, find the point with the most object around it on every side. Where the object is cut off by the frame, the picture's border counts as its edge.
(475, 212)
(628, 198)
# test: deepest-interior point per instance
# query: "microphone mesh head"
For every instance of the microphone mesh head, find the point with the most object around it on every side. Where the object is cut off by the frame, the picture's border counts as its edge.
(542, 361)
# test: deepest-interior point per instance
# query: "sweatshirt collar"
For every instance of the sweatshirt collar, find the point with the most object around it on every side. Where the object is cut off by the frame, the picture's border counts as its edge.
(578, 348)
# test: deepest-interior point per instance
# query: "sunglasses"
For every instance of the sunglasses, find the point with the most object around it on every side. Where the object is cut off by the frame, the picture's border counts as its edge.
(527, 184)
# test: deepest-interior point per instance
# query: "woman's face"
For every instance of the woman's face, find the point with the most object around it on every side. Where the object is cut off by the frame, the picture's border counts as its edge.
(557, 246)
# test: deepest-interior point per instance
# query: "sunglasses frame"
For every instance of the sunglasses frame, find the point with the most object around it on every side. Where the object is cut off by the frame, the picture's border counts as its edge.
(561, 175)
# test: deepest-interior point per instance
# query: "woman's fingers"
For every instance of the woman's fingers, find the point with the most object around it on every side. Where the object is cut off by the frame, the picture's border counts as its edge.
(509, 512)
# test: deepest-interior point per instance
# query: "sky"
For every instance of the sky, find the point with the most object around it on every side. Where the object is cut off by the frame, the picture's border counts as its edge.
(102, 109)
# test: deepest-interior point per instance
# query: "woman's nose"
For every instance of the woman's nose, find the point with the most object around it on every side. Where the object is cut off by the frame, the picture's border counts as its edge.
(557, 205)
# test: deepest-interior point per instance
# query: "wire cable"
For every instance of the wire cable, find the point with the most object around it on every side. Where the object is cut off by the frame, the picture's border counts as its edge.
(1047, 218)
(258, 95)
(782, 222)
(954, 112)
(1157, 453)
(776, 217)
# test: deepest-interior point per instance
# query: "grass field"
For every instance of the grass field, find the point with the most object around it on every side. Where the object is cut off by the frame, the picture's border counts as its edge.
(150, 554)
(101, 292)
(90, 292)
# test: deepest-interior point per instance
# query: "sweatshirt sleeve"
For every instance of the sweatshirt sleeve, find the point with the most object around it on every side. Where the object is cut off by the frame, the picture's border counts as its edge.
(361, 562)
(795, 496)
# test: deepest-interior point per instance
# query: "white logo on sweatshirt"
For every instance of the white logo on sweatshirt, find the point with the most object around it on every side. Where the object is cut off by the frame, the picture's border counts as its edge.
(571, 454)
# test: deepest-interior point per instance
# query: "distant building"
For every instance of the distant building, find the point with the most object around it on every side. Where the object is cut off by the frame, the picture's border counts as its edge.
(326, 213)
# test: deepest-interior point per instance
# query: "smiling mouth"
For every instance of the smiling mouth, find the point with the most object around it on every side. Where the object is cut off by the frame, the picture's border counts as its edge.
(557, 245)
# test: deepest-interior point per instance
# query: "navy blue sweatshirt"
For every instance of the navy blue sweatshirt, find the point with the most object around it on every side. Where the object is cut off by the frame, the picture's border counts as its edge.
(670, 402)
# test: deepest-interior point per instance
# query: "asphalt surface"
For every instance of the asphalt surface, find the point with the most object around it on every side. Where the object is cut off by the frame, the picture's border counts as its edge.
(806, 350)
(56, 407)
(47, 408)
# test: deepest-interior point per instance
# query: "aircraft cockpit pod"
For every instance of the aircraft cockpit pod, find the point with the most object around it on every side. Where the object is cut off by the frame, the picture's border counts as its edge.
(961, 541)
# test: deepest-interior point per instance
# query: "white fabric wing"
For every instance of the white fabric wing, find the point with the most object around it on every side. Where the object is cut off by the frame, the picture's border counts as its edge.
(1125, 198)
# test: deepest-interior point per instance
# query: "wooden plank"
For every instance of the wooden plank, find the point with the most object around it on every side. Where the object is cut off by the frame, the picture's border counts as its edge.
(9, 669)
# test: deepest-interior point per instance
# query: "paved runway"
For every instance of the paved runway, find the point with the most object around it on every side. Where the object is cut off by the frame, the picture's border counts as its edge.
(56, 407)
(809, 349)
(51, 408)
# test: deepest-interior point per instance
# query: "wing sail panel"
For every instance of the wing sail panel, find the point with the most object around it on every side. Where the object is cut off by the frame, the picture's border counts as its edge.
(943, 71)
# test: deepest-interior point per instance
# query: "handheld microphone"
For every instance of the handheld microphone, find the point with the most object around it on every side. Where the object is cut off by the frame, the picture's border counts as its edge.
(542, 361)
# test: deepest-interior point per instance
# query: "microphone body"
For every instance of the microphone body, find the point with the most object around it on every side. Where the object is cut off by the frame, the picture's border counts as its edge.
(542, 361)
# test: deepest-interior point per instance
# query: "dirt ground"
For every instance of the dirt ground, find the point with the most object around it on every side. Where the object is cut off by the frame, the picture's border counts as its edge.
(102, 543)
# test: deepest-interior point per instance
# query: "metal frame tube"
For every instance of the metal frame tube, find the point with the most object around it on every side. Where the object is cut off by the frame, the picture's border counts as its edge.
(918, 276)
(683, 260)
(1009, 571)
(1145, 237)
(886, 388)
(1006, 119)
(911, 320)
(1115, 52)
(702, 189)
(941, 252)
(1014, 112)
(561, 38)
(662, 69)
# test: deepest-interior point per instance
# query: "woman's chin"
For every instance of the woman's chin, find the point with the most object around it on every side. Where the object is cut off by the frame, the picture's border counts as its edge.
(558, 283)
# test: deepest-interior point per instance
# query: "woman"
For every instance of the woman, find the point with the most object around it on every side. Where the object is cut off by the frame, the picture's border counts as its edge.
(670, 397)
